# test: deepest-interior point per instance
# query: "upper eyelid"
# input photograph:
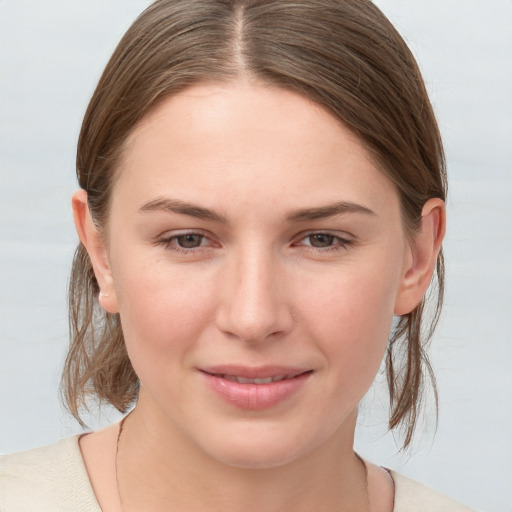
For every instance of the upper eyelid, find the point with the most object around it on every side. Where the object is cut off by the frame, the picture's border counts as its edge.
(174, 233)
(340, 242)
(169, 238)
(170, 243)
(343, 235)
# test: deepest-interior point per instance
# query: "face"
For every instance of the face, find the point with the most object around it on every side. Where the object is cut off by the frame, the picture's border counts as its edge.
(256, 256)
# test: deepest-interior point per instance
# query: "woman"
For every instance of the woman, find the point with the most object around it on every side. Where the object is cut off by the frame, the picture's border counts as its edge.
(247, 335)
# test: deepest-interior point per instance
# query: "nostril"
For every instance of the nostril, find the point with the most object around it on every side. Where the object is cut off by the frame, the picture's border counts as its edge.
(257, 328)
(252, 306)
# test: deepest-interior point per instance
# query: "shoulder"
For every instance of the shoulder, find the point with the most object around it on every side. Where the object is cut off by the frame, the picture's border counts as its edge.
(52, 478)
(411, 496)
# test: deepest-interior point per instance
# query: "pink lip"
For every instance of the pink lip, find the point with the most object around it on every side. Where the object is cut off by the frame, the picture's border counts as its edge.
(254, 396)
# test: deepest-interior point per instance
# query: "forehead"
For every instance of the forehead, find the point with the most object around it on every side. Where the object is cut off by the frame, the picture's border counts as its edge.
(248, 140)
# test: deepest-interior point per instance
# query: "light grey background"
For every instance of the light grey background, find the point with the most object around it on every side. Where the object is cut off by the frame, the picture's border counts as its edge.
(51, 56)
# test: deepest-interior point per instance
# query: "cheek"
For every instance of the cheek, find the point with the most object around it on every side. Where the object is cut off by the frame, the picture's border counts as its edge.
(351, 317)
(163, 310)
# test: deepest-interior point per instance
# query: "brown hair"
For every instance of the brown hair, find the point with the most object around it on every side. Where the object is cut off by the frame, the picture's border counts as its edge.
(342, 54)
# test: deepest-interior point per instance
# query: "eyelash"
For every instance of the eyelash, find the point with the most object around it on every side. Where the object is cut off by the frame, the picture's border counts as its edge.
(339, 243)
(170, 242)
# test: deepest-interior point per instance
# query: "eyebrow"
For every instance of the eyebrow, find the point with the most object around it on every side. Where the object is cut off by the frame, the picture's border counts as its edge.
(301, 215)
(183, 208)
(330, 210)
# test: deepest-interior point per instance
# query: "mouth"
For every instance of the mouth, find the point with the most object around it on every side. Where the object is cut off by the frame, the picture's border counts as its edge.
(256, 388)
(255, 375)
(262, 380)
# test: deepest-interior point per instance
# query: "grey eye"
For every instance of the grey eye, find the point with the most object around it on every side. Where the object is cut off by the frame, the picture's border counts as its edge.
(190, 241)
(321, 240)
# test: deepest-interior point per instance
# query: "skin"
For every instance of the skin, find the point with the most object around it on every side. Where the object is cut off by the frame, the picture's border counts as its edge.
(261, 281)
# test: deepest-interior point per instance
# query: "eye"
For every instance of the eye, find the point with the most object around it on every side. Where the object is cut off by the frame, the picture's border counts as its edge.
(185, 243)
(324, 242)
(321, 240)
(189, 241)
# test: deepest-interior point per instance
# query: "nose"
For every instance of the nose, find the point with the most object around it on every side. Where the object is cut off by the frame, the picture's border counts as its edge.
(254, 306)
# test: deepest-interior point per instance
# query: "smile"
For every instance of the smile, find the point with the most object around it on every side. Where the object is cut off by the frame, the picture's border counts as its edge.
(256, 389)
(245, 380)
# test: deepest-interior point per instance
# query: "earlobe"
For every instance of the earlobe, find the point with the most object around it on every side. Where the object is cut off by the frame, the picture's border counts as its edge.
(96, 248)
(424, 252)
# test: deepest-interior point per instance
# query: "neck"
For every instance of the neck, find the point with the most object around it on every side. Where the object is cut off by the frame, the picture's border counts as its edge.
(159, 468)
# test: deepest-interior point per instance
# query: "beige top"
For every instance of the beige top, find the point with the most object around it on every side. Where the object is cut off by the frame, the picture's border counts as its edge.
(54, 479)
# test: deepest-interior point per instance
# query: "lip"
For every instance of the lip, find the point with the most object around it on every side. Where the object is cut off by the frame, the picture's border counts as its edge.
(255, 396)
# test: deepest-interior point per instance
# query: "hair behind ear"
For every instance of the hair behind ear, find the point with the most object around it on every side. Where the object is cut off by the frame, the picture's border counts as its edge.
(406, 384)
(97, 364)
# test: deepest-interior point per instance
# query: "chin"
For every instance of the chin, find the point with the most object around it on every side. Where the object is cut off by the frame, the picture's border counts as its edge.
(256, 457)
(258, 448)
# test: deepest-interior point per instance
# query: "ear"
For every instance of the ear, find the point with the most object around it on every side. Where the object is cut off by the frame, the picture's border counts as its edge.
(97, 250)
(422, 259)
